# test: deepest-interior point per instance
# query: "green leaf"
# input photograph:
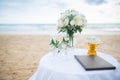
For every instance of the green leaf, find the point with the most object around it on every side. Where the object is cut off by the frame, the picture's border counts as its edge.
(80, 30)
(51, 42)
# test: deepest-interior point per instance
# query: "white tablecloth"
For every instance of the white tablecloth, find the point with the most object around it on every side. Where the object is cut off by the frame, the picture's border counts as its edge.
(66, 67)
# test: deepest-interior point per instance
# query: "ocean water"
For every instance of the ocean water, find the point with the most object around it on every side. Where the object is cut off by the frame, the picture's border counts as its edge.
(52, 29)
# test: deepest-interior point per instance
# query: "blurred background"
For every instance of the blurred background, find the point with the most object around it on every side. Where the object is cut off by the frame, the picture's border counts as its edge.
(27, 25)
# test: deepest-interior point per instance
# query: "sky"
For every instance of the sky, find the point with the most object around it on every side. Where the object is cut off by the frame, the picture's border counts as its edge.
(48, 11)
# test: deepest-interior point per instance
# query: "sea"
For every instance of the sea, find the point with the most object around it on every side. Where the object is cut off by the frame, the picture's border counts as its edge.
(52, 29)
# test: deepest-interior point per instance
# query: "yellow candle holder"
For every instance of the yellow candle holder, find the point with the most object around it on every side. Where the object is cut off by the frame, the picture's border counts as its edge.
(92, 49)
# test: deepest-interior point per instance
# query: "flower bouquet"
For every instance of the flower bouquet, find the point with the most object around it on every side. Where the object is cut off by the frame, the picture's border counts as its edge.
(59, 42)
(71, 22)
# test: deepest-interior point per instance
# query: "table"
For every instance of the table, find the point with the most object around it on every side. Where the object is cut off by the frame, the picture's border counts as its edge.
(66, 67)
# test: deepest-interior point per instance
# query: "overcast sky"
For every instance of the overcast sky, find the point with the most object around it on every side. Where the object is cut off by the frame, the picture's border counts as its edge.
(48, 11)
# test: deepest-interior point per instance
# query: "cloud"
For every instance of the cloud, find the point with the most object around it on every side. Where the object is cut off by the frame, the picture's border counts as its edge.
(48, 11)
(118, 3)
(15, 1)
(59, 5)
(95, 2)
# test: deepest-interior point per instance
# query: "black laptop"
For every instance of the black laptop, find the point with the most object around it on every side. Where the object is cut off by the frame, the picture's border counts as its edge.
(94, 63)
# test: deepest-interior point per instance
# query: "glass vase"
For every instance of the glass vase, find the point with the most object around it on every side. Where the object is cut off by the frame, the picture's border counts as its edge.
(71, 41)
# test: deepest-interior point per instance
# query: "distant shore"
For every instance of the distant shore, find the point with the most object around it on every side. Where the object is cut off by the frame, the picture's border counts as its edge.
(20, 54)
(49, 29)
(52, 32)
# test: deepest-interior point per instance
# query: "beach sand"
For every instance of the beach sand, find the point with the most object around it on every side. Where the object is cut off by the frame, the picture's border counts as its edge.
(20, 54)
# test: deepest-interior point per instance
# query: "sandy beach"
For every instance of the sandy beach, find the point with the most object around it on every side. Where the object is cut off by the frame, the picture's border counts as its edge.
(20, 54)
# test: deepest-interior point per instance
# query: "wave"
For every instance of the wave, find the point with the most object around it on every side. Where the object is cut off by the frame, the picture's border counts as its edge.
(52, 28)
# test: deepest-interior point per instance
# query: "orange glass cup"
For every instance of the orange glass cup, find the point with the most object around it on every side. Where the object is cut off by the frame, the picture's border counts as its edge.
(92, 49)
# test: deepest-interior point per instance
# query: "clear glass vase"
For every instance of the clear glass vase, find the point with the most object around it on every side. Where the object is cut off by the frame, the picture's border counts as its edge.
(71, 42)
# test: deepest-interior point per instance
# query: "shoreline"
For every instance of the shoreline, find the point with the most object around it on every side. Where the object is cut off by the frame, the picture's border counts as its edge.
(51, 32)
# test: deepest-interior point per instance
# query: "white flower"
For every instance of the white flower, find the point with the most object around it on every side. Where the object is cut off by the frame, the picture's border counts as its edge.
(65, 14)
(84, 21)
(63, 22)
(74, 13)
(57, 37)
(77, 18)
(66, 22)
(72, 19)
(79, 22)
(60, 23)
(93, 40)
(72, 22)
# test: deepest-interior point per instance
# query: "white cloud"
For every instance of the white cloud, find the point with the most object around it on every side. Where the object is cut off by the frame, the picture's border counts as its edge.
(95, 2)
(48, 11)
(105, 13)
